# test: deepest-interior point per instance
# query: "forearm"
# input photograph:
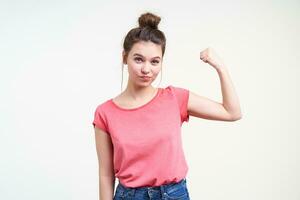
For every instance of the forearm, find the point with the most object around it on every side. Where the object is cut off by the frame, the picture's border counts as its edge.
(230, 98)
(106, 187)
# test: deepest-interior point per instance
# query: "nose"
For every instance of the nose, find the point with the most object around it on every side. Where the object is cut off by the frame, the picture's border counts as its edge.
(146, 68)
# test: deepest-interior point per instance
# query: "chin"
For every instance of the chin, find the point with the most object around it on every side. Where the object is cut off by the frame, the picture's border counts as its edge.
(146, 83)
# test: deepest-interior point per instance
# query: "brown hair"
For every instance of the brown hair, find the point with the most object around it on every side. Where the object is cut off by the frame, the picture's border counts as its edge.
(147, 31)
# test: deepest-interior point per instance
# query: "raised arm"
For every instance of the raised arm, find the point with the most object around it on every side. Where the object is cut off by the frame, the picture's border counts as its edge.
(202, 107)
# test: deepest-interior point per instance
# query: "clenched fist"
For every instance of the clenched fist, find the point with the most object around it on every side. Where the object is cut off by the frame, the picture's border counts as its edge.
(210, 56)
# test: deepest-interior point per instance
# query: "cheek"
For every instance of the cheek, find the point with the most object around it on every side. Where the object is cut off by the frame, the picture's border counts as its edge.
(133, 68)
(156, 71)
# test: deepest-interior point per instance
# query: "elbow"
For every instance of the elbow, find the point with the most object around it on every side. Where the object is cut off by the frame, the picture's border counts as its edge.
(236, 117)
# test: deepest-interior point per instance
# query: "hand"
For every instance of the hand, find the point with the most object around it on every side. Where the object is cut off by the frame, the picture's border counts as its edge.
(210, 56)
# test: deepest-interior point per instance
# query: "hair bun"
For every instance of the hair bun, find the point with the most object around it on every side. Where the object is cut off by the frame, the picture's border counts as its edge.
(149, 19)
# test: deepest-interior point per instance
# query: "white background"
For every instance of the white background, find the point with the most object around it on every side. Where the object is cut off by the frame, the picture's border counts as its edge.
(60, 59)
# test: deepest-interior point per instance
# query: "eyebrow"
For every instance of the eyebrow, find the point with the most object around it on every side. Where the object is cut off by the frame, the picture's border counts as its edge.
(137, 54)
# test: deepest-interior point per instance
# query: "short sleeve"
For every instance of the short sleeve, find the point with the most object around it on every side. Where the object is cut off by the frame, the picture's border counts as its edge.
(182, 96)
(100, 120)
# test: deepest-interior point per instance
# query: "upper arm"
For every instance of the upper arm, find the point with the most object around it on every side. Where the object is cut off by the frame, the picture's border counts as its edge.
(202, 107)
(104, 149)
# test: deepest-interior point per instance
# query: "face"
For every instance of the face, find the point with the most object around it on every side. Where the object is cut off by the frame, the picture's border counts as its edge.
(144, 62)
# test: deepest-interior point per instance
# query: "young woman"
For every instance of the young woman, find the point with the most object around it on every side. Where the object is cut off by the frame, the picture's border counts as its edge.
(138, 132)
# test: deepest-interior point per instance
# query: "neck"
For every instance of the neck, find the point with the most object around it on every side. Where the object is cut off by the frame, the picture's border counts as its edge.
(139, 93)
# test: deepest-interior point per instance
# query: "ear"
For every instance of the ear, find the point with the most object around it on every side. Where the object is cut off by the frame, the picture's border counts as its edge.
(124, 57)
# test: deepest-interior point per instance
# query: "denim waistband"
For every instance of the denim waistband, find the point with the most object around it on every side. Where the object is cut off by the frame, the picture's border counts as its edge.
(161, 188)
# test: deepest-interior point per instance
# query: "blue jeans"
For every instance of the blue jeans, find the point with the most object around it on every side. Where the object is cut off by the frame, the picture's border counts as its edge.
(171, 191)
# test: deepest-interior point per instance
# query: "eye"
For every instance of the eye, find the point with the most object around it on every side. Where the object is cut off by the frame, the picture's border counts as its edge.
(156, 61)
(138, 59)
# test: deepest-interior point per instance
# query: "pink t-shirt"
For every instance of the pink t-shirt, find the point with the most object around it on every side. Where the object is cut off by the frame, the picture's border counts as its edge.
(147, 140)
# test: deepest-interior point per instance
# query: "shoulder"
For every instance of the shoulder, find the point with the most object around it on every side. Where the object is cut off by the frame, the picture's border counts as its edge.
(176, 89)
(121, 100)
(101, 107)
(169, 88)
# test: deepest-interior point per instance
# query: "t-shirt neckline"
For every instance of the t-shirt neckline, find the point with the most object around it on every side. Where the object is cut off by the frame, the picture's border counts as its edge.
(139, 107)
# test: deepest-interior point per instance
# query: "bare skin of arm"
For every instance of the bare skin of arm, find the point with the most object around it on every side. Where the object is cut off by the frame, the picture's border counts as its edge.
(202, 107)
(104, 149)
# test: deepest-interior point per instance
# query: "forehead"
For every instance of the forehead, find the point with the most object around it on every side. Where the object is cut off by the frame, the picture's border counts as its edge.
(146, 49)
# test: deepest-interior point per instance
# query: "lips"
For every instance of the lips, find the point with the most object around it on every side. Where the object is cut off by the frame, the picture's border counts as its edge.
(145, 77)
